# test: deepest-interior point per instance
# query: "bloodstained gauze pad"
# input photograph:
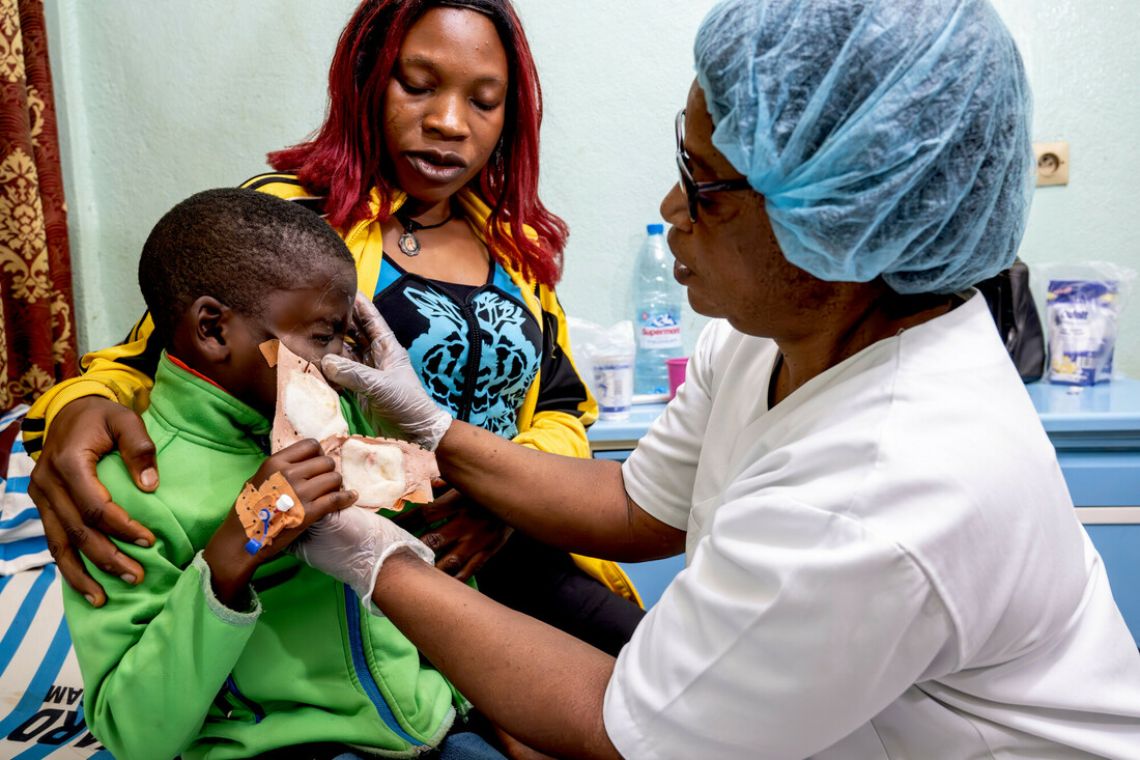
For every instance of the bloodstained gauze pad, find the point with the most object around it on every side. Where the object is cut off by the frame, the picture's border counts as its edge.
(385, 472)
(307, 407)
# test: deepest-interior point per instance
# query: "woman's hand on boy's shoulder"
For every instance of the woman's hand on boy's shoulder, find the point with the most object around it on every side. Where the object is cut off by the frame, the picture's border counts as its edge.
(318, 485)
(77, 511)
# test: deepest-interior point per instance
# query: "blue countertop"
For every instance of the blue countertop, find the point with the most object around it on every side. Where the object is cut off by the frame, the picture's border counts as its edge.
(1074, 417)
(609, 434)
(1110, 409)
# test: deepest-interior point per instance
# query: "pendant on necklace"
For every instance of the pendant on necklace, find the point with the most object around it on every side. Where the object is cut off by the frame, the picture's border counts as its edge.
(409, 245)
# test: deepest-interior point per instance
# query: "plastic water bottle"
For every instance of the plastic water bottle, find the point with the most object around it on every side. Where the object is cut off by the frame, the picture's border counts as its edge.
(657, 321)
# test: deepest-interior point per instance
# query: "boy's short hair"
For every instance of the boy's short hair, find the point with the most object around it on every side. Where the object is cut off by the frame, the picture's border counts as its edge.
(235, 245)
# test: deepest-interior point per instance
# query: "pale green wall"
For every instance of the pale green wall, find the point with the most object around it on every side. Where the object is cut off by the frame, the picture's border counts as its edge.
(162, 98)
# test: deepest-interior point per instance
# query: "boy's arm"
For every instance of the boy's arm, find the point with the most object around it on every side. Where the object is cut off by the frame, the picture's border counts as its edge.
(155, 658)
(88, 417)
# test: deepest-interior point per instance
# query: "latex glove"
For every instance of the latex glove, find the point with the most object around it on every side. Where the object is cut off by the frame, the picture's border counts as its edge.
(351, 546)
(391, 389)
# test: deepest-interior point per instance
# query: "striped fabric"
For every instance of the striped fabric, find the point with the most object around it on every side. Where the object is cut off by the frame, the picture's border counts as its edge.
(22, 544)
(41, 690)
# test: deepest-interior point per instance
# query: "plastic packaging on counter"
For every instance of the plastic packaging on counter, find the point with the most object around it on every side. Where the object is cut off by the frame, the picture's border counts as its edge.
(1082, 304)
(604, 357)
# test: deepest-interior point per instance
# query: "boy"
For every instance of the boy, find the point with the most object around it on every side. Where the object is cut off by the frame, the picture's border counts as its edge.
(221, 653)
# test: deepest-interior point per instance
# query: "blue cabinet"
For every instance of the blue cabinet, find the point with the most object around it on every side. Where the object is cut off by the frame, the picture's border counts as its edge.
(1096, 433)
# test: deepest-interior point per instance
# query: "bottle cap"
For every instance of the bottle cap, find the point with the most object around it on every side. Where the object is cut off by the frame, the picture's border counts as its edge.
(656, 229)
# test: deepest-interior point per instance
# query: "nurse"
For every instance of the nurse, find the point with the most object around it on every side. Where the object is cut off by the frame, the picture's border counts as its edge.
(882, 559)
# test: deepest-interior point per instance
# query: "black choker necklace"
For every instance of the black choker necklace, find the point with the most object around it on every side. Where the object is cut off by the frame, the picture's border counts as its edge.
(409, 243)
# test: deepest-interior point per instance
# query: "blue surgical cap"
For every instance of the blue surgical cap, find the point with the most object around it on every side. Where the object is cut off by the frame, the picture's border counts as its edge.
(888, 137)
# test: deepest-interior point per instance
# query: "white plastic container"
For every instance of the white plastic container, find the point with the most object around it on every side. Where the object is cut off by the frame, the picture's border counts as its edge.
(613, 380)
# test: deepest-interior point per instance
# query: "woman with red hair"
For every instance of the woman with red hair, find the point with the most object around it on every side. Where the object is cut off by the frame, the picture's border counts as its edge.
(427, 166)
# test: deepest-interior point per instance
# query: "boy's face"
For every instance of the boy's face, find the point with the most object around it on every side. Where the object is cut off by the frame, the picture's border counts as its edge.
(310, 320)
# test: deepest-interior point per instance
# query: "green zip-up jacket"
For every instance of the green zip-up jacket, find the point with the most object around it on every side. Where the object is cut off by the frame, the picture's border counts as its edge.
(170, 670)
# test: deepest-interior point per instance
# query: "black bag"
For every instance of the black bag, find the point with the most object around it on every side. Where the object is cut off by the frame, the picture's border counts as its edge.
(1007, 294)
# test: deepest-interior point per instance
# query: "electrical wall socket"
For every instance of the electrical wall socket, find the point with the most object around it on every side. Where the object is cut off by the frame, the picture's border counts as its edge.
(1052, 163)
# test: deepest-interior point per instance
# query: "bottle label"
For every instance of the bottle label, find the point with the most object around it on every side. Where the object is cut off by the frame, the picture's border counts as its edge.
(659, 330)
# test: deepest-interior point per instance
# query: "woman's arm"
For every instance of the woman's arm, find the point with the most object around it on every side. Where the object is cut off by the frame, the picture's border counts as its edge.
(123, 373)
(575, 504)
(87, 417)
(547, 693)
(540, 685)
(726, 647)
(578, 505)
(553, 417)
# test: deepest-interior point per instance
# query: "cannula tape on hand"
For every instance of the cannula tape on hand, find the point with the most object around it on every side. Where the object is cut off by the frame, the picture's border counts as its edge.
(266, 511)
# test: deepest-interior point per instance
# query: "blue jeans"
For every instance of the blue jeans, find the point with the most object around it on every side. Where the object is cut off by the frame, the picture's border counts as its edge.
(463, 745)
(468, 746)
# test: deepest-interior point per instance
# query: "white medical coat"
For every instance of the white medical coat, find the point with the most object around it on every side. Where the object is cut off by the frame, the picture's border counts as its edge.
(887, 564)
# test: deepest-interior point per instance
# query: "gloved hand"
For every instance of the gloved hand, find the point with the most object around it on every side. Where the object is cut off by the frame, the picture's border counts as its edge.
(391, 389)
(351, 546)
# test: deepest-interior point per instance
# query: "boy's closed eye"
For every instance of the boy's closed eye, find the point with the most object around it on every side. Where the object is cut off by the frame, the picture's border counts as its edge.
(327, 334)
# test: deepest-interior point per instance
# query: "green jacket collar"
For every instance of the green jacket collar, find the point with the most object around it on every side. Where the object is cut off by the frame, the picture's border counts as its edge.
(199, 409)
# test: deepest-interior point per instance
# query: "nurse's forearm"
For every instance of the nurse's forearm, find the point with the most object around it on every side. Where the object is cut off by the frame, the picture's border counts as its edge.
(539, 684)
(575, 504)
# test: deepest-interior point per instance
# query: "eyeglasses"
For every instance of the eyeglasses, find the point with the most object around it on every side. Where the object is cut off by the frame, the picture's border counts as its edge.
(690, 188)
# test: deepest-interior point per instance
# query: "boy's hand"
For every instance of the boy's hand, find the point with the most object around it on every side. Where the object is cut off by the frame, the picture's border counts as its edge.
(77, 511)
(317, 484)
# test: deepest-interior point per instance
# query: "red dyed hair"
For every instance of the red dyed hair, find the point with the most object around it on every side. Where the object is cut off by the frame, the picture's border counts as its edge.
(346, 158)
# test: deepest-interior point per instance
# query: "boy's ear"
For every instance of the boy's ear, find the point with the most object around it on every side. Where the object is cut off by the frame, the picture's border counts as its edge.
(210, 321)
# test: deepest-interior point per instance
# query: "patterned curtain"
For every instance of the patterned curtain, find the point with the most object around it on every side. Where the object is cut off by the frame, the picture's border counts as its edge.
(37, 321)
